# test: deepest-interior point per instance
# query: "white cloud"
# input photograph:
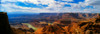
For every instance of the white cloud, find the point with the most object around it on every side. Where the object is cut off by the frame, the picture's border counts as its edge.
(8, 0)
(44, 2)
(67, 0)
(14, 8)
(53, 6)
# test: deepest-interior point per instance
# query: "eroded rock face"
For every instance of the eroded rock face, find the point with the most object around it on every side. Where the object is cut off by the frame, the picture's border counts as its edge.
(73, 28)
(98, 20)
(84, 27)
(4, 24)
(51, 29)
(23, 31)
(90, 27)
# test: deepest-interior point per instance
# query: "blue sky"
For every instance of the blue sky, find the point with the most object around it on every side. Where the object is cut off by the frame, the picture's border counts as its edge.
(50, 6)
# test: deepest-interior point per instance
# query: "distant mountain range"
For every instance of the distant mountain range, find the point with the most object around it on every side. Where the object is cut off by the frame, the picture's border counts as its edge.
(48, 17)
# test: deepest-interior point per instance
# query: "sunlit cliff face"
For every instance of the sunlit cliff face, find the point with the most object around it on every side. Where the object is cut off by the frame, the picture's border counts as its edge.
(82, 27)
(50, 29)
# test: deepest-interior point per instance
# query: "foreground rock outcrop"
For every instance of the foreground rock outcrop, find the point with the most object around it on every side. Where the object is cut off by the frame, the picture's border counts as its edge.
(4, 24)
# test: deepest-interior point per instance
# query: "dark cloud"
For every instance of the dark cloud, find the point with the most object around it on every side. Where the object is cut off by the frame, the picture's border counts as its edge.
(95, 3)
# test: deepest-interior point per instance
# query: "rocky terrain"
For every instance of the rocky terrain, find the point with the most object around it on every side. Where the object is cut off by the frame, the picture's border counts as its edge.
(72, 23)
(82, 27)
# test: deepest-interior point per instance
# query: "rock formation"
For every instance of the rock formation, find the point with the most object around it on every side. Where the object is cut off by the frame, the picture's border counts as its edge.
(4, 24)
(84, 27)
(81, 27)
(51, 29)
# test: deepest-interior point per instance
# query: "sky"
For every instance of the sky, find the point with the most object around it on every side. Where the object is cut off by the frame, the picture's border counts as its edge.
(50, 6)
